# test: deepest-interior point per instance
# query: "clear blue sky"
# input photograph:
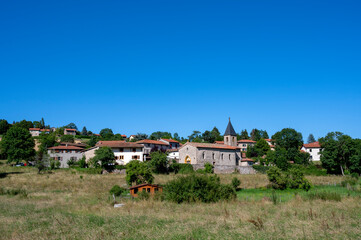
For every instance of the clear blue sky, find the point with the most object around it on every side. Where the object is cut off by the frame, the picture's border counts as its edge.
(179, 66)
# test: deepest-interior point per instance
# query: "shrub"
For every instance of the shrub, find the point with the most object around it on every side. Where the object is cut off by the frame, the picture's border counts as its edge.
(349, 181)
(293, 179)
(143, 195)
(330, 196)
(235, 183)
(275, 197)
(13, 192)
(194, 188)
(200, 170)
(89, 170)
(208, 168)
(261, 168)
(116, 190)
(158, 162)
(82, 162)
(180, 168)
(120, 167)
(138, 172)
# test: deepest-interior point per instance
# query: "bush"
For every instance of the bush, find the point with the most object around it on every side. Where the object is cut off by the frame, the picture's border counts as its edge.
(194, 188)
(349, 181)
(158, 162)
(89, 170)
(82, 162)
(120, 167)
(330, 196)
(138, 172)
(261, 168)
(208, 168)
(200, 170)
(143, 195)
(180, 168)
(293, 179)
(13, 192)
(116, 190)
(235, 183)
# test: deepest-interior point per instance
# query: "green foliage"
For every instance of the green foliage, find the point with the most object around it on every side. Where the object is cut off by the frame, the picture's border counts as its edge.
(261, 147)
(257, 134)
(82, 162)
(13, 192)
(17, 144)
(349, 181)
(194, 188)
(293, 179)
(244, 134)
(89, 170)
(159, 135)
(117, 190)
(46, 141)
(311, 138)
(105, 157)
(67, 138)
(84, 131)
(288, 138)
(93, 140)
(138, 173)
(4, 126)
(208, 168)
(261, 168)
(139, 136)
(120, 167)
(143, 195)
(71, 125)
(235, 183)
(158, 162)
(325, 196)
(106, 133)
(180, 168)
(24, 124)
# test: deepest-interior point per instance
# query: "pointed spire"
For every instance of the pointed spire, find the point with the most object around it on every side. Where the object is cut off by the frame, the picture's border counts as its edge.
(230, 130)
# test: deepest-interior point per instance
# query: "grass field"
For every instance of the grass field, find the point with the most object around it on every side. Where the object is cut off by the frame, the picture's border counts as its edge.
(67, 204)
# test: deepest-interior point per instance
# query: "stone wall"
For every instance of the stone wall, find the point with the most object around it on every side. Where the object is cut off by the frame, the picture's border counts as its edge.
(226, 169)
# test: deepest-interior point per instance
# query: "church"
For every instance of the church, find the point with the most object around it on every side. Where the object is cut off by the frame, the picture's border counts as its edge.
(221, 156)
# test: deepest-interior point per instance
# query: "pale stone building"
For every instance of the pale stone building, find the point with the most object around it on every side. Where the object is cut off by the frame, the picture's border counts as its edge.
(314, 149)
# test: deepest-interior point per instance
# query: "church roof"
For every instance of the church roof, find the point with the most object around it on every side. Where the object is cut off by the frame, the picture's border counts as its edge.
(210, 145)
(230, 129)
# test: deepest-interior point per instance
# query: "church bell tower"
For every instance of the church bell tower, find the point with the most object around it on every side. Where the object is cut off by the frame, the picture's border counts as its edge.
(230, 136)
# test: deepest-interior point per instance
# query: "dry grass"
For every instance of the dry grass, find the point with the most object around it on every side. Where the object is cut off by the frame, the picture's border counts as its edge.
(64, 206)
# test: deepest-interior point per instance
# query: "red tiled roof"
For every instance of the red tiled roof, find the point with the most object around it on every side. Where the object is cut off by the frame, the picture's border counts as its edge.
(124, 136)
(219, 142)
(65, 148)
(116, 144)
(210, 145)
(155, 142)
(269, 140)
(70, 130)
(45, 130)
(95, 134)
(170, 140)
(246, 141)
(312, 145)
(247, 160)
(34, 129)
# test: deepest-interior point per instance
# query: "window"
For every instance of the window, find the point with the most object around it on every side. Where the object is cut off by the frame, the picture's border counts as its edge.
(136, 157)
(121, 149)
(121, 157)
(144, 190)
(222, 156)
(213, 155)
(214, 163)
(244, 145)
(148, 189)
(310, 150)
(134, 149)
(226, 139)
(229, 156)
(204, 155)
(135, 190)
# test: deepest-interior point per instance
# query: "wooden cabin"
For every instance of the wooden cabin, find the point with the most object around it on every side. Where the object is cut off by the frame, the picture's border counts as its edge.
(146, 187)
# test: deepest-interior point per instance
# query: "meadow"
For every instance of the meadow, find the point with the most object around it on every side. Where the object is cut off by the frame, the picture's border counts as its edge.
(68, 204)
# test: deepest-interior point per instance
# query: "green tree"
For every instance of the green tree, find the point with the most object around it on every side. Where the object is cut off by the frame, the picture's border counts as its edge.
(355, 159)
(311, 138)
(208, 136)
(139, 136)
(93, 140)
(17, 144)
(138, 172)
(106, 133)
(46, 141)
(244, 134)
(288, 138)
(158, 162)
(4, 126)
(71, 125)
(194, 135)
(67, 138)
(217, 135)
(257, 134)
(336, 152)
(261, 147)
(84, 131)
(24, 124)
(158, 135)
(176, 137)
(105, 157)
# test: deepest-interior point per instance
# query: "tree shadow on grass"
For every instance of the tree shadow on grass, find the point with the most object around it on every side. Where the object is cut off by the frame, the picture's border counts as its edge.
(5, 174)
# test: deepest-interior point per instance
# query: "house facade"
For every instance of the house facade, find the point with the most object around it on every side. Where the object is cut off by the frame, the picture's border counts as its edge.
(173, 144)
(314, 149)
(65, 153)
(154, 145)
(244, 143)
(173, 154)
(69, 131)
(37, 131)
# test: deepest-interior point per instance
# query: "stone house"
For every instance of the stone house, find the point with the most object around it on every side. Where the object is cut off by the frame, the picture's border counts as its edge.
(244, 143)
(65, 153)
(69, 131)
(37, 131)
(150, 145)
(173, 144)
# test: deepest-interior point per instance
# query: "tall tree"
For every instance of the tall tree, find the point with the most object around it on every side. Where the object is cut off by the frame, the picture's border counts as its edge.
(139, 136)
(176, 137)
(244, 134)
(46, 141)
(17, 145)
(336, 152)
(138, 172)
(4, 126)
(84, 132)
(261, 147)
(158, 135)
(71, 125)
(24, 124)
(105, 157)
(311, 138)
(158, 162)
(288, 138)
(42, 123)
(106, 133)
(217, 135)
(208, 137)
(67, 138)
(194, 135)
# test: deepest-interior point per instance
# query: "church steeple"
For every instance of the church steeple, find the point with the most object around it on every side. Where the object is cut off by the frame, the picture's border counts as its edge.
(230, 136)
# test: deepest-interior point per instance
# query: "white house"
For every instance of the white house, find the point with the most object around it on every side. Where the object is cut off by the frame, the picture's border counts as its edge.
(69, 131)
(36, 131)
(173, 144)
(314, 149)
(154, 145)
(173, 154)
(123, 151)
